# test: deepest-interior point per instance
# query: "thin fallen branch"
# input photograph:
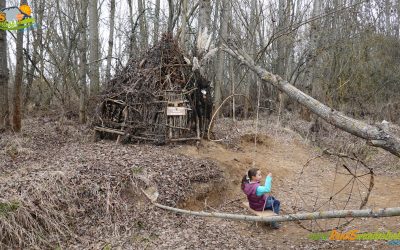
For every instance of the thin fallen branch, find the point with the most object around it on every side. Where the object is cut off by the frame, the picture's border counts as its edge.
(375, 135)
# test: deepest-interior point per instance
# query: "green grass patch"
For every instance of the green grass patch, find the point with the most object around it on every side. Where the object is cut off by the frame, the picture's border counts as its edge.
(137, 170)
(8, 207)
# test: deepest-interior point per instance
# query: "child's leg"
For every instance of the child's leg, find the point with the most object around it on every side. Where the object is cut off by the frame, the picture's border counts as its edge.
(273, 204)
(276, 205)
(269, 203)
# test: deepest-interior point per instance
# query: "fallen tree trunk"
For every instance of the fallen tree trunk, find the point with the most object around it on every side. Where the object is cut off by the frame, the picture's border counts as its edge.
(374, 135)
(384, 212)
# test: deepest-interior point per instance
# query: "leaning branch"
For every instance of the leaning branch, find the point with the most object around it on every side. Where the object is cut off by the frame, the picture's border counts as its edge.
(374, 135)
(384, 212)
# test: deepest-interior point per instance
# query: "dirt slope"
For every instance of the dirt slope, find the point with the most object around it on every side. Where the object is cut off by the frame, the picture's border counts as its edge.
(284, 155)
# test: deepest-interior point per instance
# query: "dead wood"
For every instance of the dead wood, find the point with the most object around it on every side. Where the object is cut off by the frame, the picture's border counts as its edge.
(158, 98)
(374, 135)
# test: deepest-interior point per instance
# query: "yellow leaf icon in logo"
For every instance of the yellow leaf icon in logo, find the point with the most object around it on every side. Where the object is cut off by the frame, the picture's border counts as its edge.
(2, 16)
(25, 9)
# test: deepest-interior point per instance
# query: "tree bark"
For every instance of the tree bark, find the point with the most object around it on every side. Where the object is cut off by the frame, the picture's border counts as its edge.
(4, 75)
(397, 27)
(388, 27)
(374, 135)
(17, 112)
(183, 24)
(94, 65)
(170, 15)
(37, 41)
(223, 34)
(365, 213)
(315, 30)
(252, 46)
(156, 22)
(142, 25)
(110, 40)
(204, 15)
(83, 62)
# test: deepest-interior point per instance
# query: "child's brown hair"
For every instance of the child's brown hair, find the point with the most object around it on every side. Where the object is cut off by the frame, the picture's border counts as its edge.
(246, 178)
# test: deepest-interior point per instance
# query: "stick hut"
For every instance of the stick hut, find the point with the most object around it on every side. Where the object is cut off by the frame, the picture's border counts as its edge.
(158, 98)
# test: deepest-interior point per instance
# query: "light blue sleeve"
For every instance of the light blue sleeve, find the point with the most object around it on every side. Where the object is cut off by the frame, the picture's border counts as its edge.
(265, 189)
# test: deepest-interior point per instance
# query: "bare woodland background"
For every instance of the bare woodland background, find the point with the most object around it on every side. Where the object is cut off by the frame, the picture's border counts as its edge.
(344, 53)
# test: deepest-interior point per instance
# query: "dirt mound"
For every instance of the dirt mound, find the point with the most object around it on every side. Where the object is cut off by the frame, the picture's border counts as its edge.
(80, 192)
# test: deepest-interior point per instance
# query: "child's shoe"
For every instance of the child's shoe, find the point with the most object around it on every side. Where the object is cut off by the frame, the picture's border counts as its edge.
(275, 225)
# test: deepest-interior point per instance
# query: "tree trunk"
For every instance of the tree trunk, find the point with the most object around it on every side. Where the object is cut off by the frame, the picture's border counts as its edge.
(374, 135)
(37, 40)
(223, 34)
(132, 36)
(170, 16)
(216, 20)
(17, 112)
(142, 25)
(94, 64)
(387, 17)
(365, 213)
(315, 29)
(183, 24)
(204, 15)
(313, 81)
(156, 22)
(83, 62)
(4, 108)
(110, 40)
(397, 27)
(252, 45)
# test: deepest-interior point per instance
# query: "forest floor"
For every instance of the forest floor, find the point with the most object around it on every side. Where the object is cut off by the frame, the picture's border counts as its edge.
(76, 193)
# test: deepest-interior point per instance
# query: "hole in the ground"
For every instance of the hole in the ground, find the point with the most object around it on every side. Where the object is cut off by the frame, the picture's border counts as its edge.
(261, 139)
(205, 196)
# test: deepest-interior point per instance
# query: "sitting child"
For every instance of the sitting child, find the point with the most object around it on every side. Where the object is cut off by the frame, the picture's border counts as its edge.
(257, 195)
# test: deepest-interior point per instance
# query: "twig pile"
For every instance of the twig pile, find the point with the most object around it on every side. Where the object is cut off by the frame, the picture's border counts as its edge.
(135, 104)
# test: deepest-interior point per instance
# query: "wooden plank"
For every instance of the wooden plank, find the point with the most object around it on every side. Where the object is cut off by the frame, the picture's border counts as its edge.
(184, 139)
(175, 103)
(116, 101)
(265, 213)
(109, 130)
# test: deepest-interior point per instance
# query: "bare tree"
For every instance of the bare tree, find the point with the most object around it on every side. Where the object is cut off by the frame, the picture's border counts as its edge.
(4, 109)
(132, 35)
(17, 112)
(183, 24)
(397, 27)
(94, 57)
(171, 9)
(142, 24)
(156, 22)
(110, 40)
(204, 15)
(37, 40)
(223, 34)
(83, 61)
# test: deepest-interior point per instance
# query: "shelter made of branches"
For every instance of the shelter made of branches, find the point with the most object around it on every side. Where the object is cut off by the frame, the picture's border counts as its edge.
(157, 98)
